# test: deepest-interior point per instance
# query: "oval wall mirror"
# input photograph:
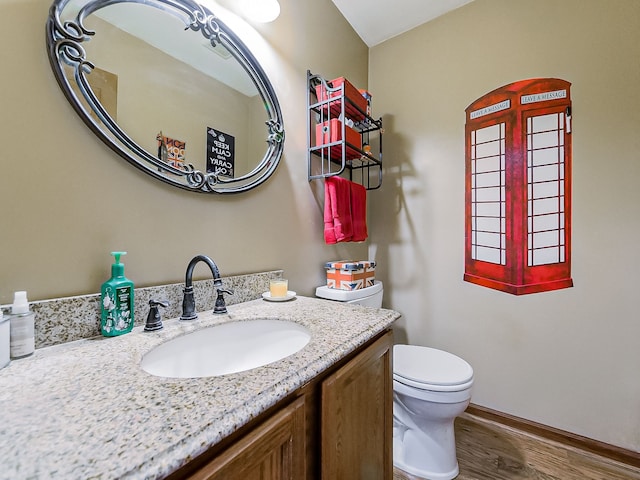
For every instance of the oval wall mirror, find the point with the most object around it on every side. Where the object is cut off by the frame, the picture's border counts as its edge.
(170, 88)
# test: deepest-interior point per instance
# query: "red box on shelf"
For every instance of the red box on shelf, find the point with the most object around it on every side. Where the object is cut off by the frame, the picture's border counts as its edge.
(350, 92)
(331, 131)
(367, 97)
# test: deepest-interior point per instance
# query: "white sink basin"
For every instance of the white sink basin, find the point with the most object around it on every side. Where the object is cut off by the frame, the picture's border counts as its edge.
(228, 348)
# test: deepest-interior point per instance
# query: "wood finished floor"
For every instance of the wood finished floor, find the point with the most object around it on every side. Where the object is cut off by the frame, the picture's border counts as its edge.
(490, 451)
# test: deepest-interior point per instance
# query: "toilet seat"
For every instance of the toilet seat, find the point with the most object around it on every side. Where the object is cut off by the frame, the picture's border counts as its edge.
(430, 369)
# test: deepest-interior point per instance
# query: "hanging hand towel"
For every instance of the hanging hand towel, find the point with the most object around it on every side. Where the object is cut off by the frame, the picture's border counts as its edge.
(359, 212)
(329, 231)
(337, 210)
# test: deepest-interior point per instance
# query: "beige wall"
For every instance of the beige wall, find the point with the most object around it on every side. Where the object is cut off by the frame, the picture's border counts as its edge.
(68, 200)
(568, 358)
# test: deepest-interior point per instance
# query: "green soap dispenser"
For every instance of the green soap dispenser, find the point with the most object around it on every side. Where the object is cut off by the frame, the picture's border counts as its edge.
(116, 302)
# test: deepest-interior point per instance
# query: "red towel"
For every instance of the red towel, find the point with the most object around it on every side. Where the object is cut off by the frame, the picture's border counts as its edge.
(329, 231)
(337, 210)
(359, 212)
(345, 211)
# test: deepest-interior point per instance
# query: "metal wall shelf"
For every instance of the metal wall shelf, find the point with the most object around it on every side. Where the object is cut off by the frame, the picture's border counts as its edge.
(327, 156)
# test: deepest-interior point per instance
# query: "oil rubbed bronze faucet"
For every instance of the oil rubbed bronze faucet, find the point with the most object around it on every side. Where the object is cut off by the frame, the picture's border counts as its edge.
(189, 303)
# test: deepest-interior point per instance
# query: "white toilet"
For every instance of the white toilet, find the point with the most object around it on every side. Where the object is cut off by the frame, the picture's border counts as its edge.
(430, 389)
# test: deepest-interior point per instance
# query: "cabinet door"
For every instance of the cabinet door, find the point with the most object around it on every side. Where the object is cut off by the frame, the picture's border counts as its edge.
(357, 417)
(273, 451)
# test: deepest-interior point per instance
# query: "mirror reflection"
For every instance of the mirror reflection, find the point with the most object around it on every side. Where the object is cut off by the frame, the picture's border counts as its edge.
(170, 88)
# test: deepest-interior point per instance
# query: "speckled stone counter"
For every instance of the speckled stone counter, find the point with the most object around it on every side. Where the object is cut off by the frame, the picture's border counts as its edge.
(86, 409)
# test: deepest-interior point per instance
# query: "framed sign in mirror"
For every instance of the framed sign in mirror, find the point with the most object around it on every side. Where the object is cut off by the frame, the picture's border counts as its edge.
(170, 88)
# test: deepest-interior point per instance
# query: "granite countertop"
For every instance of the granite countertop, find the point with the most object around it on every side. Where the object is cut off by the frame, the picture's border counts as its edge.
(86, 409)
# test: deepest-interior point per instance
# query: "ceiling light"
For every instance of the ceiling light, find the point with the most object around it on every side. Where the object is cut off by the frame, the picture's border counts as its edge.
(263, 11)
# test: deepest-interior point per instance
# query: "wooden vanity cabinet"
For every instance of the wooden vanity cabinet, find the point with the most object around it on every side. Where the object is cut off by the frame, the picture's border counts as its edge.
(357, 417)
(337, 427)
(272, 451)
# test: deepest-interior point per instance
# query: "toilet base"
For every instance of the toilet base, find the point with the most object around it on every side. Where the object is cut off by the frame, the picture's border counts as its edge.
(427, 475)
(413, 458)
(430, 458)
(424, 436)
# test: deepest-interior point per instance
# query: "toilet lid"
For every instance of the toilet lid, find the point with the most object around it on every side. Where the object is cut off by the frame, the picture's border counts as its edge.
(428, 366)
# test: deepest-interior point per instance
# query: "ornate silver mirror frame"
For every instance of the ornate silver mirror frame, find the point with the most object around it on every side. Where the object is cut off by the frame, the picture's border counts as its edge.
(66, 41)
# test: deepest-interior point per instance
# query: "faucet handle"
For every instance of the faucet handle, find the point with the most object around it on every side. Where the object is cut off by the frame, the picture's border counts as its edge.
(154, 320)
(220, 306)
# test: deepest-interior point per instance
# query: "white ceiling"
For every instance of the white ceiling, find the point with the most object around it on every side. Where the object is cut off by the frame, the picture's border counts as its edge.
(379, 20)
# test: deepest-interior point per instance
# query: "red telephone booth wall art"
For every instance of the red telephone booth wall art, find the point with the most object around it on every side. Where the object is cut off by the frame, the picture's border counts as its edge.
(518, 188)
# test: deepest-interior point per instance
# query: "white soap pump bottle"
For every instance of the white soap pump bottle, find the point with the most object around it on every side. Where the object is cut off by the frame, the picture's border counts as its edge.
(22, 341)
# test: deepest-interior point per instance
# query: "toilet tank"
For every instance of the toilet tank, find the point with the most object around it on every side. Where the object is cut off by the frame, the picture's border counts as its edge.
(368, 297)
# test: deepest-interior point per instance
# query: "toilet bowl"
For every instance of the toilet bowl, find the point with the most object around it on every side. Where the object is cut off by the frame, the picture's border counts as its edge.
(430, 389)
